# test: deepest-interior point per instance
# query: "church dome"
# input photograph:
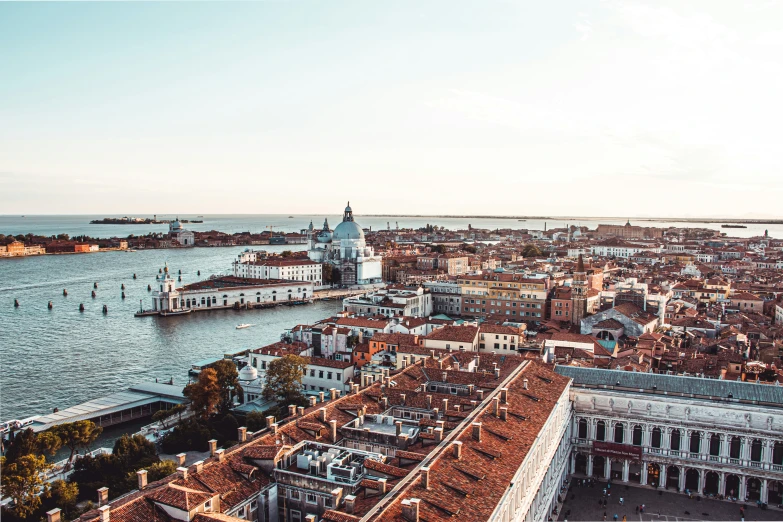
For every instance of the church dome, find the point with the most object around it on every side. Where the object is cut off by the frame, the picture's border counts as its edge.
(348, 230)
(248, 373)
(175, 225)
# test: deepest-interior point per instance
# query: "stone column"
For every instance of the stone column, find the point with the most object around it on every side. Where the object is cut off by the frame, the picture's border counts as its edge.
(643, 477)
(765, 454)
(626, 469)
(662, 476)
(573, 462)
(682, 479)
(590, 465)
(702, 478)
(666, 439)
(607, 467)
(722, 483)
(742, 487)
(764, 491)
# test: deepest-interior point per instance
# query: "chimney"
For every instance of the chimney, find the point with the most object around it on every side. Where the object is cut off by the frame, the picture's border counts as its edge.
(477, 431)
(404, 361)
(402, 398)
(291, 410)
(53, 515)
(457, 445)
(438, 434)
(322, 414)
(212, 447)
(181, 459)
(141, 475)
(350, 501)
(270, 420)
(480, 394)
(274, 428)
(332, 394)
(471, 389)
(354, 388)
(496, 406)
(433, 353)
(524, 383)
(504, 413)
(242, 434)
(182, 472)
(382, 482)
(337, 494)
(198, 466)
(425, 477)
(313, 401)
(497, 373)
(456, 366)
(440, 364)
(220, 454)
(333, 430)
(429, 402)
(105, 513)
(435, 411)
(103, 496)
(384, 403)
(444, 377)
(300, 411)
(320, 396)
(311, 518)
(410, 509)
(504, 395)
(398, 426)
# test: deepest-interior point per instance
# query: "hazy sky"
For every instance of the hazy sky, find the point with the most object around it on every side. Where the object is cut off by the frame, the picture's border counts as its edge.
(483, 107)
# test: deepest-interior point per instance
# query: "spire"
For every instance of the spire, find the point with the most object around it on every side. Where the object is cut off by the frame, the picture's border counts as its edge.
(580, 264)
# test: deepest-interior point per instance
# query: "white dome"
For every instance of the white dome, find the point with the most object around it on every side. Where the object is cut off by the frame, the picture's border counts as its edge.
(348, 230)
(248, 373)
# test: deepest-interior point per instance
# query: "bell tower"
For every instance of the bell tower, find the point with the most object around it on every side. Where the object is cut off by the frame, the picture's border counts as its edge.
(579, 292)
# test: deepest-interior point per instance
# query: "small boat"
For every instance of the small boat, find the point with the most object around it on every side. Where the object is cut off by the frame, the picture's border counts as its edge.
(290, 217)
(175, 312)
(243, 325)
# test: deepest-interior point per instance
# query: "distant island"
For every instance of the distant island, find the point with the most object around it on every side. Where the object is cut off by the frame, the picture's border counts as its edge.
(139, 221)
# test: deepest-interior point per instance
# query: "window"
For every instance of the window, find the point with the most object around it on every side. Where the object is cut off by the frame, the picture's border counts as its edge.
(320, 374)
(600, 431)
(328, 501)
(312, 373)
(329, 374)
(294, 494)
(296, 516)
(311, 499)
(208, 505)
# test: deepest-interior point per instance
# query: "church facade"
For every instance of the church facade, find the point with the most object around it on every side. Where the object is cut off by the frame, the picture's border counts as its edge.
(346, 250)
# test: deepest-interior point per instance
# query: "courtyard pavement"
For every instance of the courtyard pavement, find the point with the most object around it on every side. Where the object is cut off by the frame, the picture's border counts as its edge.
(581, 504)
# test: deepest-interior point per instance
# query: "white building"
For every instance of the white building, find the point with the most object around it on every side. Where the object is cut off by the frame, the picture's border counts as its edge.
(277, 267)
(346, 250)
(225, 292)
(708, 436)
(391, 302)
(184, 237)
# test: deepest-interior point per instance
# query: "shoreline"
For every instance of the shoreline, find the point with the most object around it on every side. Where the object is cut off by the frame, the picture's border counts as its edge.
(591, 218)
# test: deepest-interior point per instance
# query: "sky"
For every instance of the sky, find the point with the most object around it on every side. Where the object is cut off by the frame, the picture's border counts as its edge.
(582, 107)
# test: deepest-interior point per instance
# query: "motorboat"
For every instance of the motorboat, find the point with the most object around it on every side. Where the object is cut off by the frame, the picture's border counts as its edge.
(243, 325)
(166, 313)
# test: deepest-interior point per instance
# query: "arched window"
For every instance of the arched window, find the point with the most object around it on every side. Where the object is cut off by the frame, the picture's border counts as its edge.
(619, 433)
(734, 447)
(637, 435)
(656, 438)
(755, 451)
(695, 446)
(675, 440)
(600, 431)
(582, 428)
(715, 445)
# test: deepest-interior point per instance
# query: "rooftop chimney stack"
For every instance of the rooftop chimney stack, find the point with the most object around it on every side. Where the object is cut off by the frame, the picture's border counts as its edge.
(198, 466)
(332, 394)
(141, 475)
(337, 494)
(270, 419)
(398, 426)
(524, 383)
(402, 398)
(429, 402)
(504, 413)
(410, 509)
(445, 405)
(300, 411)
(313, 401)
(103, 496)
(333, 430)
(274, 428)
(438, 434)
(242, 434)
(105, 513)
(350, 502)
(181, 459)
(504, 395)
(425, 477)
(384, 403)
(477, 431)
(320, 396)
(182, 472)
(220, 454)
(457, 445)
(444, 377)
(480, 394)
(322, 414)
(291, 410)
(496, 406)
(53, 515)
(382, 487)
(212, 447)
(497, 373)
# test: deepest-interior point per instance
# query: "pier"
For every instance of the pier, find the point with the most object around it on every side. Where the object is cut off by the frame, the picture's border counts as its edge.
(141, 400)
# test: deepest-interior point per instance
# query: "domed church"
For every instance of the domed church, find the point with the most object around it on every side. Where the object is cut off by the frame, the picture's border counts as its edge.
(345, 249)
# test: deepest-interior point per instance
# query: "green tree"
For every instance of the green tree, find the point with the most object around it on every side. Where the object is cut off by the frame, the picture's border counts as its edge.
(23, 443)
(23, 482)
(161, 416)
(204, 394)
(228, 380)
(49, 442)
(531, 250)
(160, 470)
(326, 273)
(286, 253)
(79, 434)
(471, 249)
(134, 452)
(284, 379)
(63, 495)
(255, 421)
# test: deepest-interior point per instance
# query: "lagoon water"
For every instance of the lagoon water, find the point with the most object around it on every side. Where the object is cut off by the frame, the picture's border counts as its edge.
(61, 357)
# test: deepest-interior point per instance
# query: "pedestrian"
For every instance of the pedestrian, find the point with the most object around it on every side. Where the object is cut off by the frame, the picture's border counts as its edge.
(615, 517)
(604, 491)
(621, 501)
(636, 510)
(625, 519)
(604, 516)
(642, 508)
